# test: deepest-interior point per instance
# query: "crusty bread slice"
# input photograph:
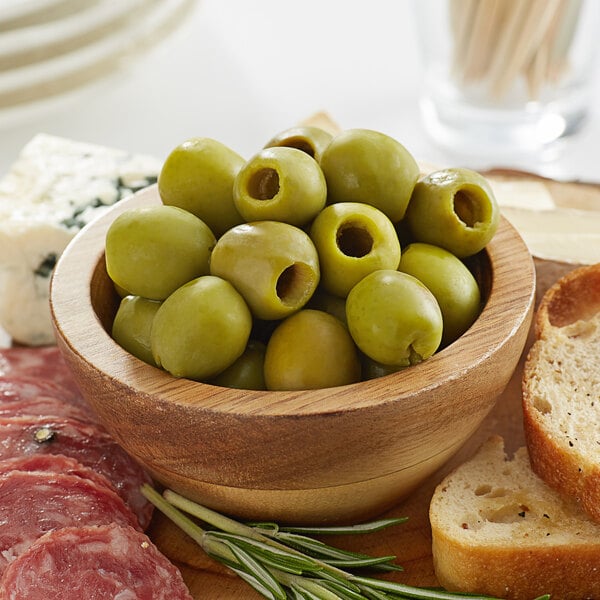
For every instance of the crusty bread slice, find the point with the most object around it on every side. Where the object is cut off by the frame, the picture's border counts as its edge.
(498, 529)
(561, 388)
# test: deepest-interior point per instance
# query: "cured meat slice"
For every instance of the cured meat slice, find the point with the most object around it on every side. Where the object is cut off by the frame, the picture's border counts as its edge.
(23, 387)
(33, 503)
(95, 563)
(45, 362)
(42, 406)
(54, 463)
(87, 443)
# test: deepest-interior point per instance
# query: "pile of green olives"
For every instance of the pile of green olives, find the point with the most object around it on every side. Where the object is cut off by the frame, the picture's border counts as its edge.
(323, 260)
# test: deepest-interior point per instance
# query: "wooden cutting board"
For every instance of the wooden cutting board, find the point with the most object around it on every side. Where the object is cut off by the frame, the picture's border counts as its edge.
(410, 542)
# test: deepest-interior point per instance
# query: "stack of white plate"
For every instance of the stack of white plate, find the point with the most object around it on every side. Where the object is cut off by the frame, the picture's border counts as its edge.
(49, 48)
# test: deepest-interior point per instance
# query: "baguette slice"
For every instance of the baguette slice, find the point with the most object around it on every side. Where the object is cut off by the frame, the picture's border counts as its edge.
(561, 388)
(498, 529)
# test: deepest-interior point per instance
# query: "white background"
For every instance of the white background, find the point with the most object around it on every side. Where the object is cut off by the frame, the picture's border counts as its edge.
(242, 70)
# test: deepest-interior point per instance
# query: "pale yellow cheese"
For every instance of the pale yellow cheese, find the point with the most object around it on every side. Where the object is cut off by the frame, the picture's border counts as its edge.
(565, 235)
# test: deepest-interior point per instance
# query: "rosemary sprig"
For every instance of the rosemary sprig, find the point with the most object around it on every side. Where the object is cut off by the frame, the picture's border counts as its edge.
(283, 563)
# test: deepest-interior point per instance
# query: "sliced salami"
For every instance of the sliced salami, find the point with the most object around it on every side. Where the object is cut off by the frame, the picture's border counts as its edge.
(87, 443)
(54, 463)
(34, 503)
(42, 406)
(95, 563)
(23, 387)
(44, 362)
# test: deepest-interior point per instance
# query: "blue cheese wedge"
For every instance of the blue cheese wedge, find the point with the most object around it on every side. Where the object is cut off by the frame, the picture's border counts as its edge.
(55, 187)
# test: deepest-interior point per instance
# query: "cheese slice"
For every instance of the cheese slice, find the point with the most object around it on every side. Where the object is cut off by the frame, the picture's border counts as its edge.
(519, 193)
(55, 187)
(564, 235)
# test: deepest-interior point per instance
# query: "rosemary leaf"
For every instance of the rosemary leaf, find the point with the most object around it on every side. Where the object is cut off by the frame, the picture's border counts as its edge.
(255, 583)
(305, 595)
(337, 556)
(313, 590)
(361, 528)
(407, 591)
(286, 561)
(343, 591)
(372, 594)
(255, 569)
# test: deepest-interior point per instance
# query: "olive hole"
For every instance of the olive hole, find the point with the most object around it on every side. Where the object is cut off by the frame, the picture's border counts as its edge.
(468, 207)
(301, 144)
(264, 184)
(294, 284)
(354, 240)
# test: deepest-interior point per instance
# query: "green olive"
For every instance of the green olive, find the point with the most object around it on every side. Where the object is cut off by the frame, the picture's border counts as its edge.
(151, 251)
(361, 165)
(280, 184)
(449, 280)
(371, 369)
(198, 176)
(454, 209)
(310, 350)
(334, 305)
(121, 292)
(312, 140)
(273, 265)
(247, 372)
(132, 326)
(393, 318)
(353, 240)
(200, 329)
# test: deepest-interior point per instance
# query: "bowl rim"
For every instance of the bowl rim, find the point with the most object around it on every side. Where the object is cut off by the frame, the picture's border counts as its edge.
(509, 305)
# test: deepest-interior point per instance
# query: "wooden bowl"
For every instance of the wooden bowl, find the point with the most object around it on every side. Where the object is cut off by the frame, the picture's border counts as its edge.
(328, 455)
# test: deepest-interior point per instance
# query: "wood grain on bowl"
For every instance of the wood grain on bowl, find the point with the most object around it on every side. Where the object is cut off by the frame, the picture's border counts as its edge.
(336, 454)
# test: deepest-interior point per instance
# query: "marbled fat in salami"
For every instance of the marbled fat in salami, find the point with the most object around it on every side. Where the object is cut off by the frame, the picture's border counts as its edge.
(24, 387)
(95, 563)
(34, 503)
(89, 444)
(54, 463)
(42, 406)
(39, 363)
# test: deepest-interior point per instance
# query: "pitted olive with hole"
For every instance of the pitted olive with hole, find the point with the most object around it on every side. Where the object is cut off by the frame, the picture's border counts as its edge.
(361, 165)
(450, 281)
(320, 261)
(153, 250)
(311, 140)
(200, 329)
(455, 209)
(274, 265)
(280, 184)
(353, 240)
(394, 319)
(198, 176)
(308, 350)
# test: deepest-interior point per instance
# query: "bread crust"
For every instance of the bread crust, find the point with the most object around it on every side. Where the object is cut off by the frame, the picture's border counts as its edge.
(519, 563)
(517, 573)
(574, 297)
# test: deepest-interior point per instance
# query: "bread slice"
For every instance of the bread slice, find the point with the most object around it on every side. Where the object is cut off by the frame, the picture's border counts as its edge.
(498, 529)
(561, 388)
